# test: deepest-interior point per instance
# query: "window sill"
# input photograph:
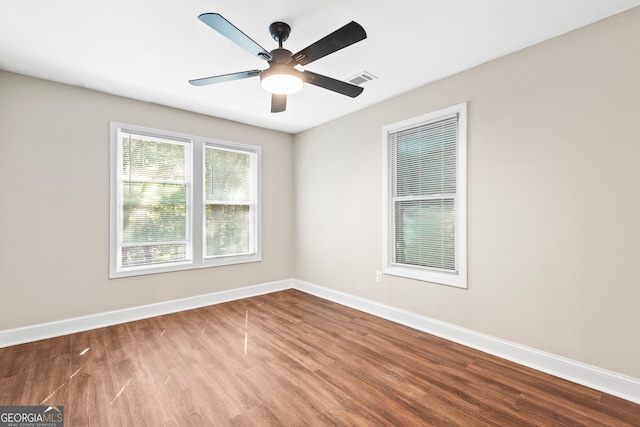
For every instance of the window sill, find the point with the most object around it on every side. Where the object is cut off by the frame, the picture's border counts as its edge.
(457, 280)
(169, 268)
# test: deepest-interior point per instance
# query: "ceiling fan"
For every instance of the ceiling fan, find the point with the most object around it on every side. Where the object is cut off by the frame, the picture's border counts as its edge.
(282, 78)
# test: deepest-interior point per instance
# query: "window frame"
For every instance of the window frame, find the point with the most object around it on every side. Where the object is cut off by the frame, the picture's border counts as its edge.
(433, 275)
(196, 204)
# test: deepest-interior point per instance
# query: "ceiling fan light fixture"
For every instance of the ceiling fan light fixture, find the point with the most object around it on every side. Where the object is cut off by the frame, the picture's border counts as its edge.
(281, 80)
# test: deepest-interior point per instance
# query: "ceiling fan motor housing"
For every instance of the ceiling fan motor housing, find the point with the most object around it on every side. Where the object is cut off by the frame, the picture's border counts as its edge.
(280, 56)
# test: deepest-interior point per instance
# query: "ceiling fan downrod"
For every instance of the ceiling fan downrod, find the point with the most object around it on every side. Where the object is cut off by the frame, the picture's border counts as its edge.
(280, 32)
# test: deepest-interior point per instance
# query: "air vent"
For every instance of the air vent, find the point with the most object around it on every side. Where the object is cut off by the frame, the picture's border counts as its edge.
(361, 78)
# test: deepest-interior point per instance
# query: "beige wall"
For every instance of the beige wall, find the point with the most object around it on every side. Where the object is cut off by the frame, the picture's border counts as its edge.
(54, 169)
(553, 198)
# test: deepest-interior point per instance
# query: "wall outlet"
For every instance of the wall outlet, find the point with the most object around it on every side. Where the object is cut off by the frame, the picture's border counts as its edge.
(379, 276)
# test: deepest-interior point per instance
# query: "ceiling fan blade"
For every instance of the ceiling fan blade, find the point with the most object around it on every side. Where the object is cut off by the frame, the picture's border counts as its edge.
(230, 31)
(225, 78)
(341, 38)
(338, 86)
(278, 103)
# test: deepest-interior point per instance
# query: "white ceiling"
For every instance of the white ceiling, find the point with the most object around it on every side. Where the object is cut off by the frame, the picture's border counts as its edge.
(149, 49)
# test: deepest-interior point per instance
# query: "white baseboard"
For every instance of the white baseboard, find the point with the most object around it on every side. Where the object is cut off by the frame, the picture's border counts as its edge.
(599, 379)
(69, 326)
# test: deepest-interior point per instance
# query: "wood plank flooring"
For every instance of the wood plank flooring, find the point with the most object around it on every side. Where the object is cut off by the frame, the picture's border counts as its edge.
(288, 359)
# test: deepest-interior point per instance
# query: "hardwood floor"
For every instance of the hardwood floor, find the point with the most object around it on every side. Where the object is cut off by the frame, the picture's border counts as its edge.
(288, 359)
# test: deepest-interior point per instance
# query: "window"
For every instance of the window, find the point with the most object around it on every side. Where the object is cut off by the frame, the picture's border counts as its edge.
(425, 197)
(181, 202)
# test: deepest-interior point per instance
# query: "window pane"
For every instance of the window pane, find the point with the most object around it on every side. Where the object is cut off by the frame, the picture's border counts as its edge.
(153, 254)
(228, 175)
(147, 158)
(425, 159)
(228, 229)
(154, 212)
(153, 193)
(425, 233)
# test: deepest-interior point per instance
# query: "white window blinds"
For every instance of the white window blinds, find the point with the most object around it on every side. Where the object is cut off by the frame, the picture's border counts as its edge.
(424, 194)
